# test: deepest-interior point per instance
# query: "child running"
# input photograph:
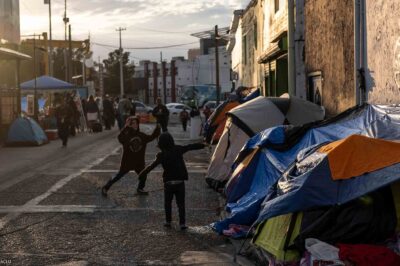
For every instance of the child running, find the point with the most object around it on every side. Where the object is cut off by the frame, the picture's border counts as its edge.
(133, 157)
(174, 175)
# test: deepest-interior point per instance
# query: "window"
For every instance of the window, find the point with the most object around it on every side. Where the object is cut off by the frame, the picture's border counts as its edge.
(276, 6)
(179, 107)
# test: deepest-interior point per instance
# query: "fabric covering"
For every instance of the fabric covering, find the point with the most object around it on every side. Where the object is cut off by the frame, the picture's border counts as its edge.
(254, 195)
(246, 120)
(46, 83)
(24, 131)
(367, 255)
(356, 155)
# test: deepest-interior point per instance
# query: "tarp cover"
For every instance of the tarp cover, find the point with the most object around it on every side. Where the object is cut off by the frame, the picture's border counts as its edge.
(46, 83)
(25, 131)
(280, 147)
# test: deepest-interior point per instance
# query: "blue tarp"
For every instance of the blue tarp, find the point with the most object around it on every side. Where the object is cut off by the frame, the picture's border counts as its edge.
(25, 131)
(46, 83)
(251, 187)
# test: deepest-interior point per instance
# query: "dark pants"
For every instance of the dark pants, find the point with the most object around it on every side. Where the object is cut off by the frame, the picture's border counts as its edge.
(121, 173)
(179, 192)
(63, 133)
(164, 124)
(184, 125)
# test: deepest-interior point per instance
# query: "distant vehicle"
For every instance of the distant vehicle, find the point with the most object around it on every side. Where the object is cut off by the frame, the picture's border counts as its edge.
(198, 95)
(211, 104)
(141, 108)
(175, 109)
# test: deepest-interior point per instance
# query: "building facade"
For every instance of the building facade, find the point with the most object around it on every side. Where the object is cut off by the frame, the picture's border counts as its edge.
(9, 21)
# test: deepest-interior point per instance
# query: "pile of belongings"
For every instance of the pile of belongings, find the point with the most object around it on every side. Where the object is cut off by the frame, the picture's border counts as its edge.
(325, 193)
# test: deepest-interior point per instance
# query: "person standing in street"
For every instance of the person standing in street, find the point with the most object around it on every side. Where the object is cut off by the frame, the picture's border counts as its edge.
(108, 113)
(133, 157)
(74, 114)
(92, 112)
(174, 176)
(184, 117)
(64, 118)
(161, 113)
(207, 112)
(124, 110)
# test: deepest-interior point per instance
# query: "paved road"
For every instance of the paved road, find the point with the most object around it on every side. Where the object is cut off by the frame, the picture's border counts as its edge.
(52, 213)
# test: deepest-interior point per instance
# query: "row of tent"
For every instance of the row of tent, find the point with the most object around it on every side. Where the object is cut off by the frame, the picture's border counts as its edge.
(295, 176)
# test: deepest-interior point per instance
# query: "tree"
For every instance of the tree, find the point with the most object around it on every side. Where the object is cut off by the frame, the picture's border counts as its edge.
(112, 68)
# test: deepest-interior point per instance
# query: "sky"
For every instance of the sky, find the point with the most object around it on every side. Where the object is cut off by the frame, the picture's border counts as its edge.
(148, 23)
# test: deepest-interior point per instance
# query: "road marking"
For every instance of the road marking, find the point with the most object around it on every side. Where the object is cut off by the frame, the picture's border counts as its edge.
(32, 203)
(80, 209)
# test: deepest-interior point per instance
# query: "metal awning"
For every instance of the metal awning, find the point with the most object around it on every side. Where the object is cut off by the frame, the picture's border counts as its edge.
(8, 54)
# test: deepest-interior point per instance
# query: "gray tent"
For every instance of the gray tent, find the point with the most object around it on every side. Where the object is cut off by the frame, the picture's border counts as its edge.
(250, 118)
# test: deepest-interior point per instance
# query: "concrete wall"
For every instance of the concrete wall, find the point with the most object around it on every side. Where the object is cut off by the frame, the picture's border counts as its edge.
(383, 49)
(329, 48)
(236, 56)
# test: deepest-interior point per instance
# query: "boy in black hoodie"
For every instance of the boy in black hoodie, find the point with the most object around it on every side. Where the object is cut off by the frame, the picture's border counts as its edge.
(133, 157)
(174, 176)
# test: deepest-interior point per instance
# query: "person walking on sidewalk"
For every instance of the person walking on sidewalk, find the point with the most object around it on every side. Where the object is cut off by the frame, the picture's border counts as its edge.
(124, 110)
(64, 121)
(174, 175)
(184, 117)
(133, 157)
(161, 113)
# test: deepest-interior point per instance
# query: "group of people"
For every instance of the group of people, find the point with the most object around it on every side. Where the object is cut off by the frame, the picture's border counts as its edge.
(134, 143)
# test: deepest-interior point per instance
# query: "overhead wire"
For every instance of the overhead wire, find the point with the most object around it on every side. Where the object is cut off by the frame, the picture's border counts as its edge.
(144, 48)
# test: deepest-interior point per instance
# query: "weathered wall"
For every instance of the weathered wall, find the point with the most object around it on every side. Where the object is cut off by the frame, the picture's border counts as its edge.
(329, 48)
(383, 49)
(252, 27)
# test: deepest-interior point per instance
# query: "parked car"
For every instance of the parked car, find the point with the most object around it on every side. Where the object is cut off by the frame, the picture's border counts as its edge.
(211, 104)
(175, 109)
(141, 108)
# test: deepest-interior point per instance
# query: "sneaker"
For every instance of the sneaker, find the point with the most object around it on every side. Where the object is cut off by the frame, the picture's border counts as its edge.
(142, 192)
(104, 192)
(183, 227)
(167, 224)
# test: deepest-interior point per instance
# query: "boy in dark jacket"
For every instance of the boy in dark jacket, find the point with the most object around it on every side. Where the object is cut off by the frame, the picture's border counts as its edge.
(175, 173)
(133, 157)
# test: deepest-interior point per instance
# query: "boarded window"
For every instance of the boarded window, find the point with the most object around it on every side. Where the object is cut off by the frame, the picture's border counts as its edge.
(276, 6)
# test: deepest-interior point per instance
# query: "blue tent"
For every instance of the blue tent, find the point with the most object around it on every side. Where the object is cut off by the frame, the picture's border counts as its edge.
(46, 83)
(280, 146)
(24, 131)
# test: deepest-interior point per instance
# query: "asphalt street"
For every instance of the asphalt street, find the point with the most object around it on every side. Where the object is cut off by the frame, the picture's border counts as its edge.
(52, 212)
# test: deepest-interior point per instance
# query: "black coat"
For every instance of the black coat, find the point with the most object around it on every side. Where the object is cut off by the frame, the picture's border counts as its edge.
(161, 113)
(172, 161)
(134, 147)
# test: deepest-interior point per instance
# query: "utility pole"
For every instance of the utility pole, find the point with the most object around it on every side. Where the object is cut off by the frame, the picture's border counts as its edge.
(69, 54)
(121, 69)
(217, 64)
(164, 77)
(66, 21)
(35, 101)
(48, 2)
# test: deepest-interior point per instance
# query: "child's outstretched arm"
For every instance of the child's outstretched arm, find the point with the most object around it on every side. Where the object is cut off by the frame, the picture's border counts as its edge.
(195, 146)
(151, 166)
(154, 135)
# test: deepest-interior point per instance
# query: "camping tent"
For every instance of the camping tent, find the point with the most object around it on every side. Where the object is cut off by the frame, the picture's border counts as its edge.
(334, 174)
(24, 131)
(267, 155)
(246, 120)
(215, 125)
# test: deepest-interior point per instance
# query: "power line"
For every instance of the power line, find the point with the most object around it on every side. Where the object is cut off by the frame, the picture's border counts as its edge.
(144, 48)
(163, 31)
